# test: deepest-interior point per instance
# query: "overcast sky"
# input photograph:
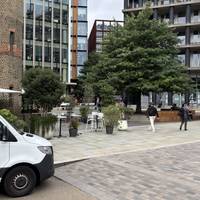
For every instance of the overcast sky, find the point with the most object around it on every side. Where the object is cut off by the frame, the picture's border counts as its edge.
(104, 9)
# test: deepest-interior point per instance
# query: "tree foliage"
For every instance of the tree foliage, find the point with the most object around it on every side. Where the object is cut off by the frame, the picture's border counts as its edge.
(42, 88)
(140, 57)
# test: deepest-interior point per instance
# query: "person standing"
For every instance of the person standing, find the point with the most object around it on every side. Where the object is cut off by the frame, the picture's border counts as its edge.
(184, 114)
(152, 113)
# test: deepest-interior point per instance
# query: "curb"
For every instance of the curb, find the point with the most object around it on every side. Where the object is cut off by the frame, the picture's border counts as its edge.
(63, 163)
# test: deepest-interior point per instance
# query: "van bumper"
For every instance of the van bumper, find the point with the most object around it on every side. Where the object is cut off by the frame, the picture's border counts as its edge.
(46, 167)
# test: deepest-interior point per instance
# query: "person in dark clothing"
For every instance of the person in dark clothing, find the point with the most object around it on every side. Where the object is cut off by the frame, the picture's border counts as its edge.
(152, 113)
(184, 114)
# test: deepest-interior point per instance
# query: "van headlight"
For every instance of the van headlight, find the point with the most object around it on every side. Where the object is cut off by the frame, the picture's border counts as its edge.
(46, 150)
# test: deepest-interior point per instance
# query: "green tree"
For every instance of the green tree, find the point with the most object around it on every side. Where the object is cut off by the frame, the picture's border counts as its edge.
(42, 88)
(140, 57)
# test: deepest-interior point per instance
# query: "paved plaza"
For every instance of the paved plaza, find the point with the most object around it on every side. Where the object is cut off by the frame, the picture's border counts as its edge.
(169, 173)
(137, 138)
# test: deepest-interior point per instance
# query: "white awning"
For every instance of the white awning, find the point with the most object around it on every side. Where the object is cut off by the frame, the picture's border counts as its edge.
(10, 91)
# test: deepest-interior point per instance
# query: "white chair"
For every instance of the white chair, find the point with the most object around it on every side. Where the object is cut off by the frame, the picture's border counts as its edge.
(100, 121)
(91, 119)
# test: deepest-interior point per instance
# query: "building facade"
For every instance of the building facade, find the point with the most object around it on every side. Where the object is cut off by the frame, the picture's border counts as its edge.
(99, 30)
(183, 16)
(55, 36)
(11, 21)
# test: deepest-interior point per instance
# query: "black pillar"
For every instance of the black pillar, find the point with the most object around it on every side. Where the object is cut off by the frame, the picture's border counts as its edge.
(170, 98)
(171, 15)
(155, 14)
(188, 14)
(187, 58)
(187, 34)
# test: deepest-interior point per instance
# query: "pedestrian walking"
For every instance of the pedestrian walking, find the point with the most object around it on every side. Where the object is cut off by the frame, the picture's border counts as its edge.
(184, 114)
(152, 113)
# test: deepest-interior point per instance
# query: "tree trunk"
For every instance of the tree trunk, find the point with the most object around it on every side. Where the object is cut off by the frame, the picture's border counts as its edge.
(138, 102)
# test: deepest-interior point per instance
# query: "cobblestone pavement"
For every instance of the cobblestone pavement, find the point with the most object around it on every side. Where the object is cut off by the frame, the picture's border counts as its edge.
(170, 173)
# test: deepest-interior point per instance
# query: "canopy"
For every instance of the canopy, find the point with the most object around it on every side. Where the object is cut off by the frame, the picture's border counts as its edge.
(10, 91)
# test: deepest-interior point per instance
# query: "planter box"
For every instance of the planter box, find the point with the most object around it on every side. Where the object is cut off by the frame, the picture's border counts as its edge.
(170, 116)
(122, 125)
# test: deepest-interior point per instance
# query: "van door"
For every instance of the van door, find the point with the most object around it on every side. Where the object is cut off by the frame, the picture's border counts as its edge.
(4, 148)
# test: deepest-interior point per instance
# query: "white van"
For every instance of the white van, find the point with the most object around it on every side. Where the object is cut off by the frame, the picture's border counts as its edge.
(25, 160)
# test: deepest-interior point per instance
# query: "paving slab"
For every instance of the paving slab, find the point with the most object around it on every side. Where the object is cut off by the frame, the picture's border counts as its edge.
(137, 138)
(166, 173)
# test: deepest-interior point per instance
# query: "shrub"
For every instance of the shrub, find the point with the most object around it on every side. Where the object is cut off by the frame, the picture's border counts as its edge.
(74, 123)
(111, 115)
(12, 119)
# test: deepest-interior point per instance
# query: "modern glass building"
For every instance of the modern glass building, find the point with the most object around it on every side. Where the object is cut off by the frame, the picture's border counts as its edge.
(99, 30)
(183, 16)
(55, 36)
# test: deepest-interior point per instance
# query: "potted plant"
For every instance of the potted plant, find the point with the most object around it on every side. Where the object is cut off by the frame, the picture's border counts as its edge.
(111, 117)
(73, 127)
(84, 111)
(126, 114)
(43, 125)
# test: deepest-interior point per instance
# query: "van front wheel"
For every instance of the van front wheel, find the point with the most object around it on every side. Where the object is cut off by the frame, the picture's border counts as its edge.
(19, 181)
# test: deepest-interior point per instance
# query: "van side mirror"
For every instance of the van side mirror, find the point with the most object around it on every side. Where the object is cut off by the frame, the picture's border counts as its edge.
(4, 133)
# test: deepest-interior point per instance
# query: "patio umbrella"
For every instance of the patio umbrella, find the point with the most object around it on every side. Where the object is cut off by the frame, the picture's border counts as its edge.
(10, 91)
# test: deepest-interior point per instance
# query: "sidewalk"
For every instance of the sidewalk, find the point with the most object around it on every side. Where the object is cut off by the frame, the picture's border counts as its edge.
(137, 138)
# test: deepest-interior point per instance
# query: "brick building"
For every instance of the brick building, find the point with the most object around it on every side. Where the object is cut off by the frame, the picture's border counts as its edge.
(99, 30)
(11, 21)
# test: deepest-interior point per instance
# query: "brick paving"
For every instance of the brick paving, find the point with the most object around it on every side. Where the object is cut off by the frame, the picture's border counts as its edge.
(169, 173)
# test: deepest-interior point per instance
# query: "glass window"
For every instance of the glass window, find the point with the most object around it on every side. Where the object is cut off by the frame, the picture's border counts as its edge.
(65, 2)
(29, 10)
(82, 57)
(56, 55)
(195, 16)
(82, 2)
(29, 52)
(82, 14)
(64, 56)
(38, 32)
(38, 53)
(195, 37)
(64, 35)
(82, 43)
(82, 28)
(47, 34)
(47, 55)
(48, 11)
(195, 60)
(65, 17)
(56, 15)
(180, 18)
(29, 32)
(99, 26)
(56, 35)
(181, 37)
(181, 58)
(38, 12)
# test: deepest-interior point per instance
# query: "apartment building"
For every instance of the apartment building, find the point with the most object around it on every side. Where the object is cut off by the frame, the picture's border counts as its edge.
(55, 36)
(183, 16)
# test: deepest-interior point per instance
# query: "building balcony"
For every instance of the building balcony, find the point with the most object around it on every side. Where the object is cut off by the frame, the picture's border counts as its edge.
(162, 4)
